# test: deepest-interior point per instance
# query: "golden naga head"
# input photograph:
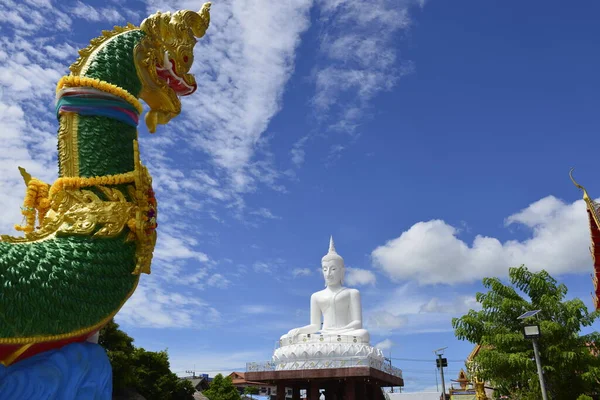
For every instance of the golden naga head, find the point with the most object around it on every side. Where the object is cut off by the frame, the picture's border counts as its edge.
(163, 60)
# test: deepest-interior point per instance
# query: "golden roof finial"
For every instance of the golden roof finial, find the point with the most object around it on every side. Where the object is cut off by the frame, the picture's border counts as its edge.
(585, 194)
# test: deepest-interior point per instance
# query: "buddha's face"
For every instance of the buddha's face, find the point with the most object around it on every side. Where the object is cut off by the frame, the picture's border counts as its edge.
(333, 272)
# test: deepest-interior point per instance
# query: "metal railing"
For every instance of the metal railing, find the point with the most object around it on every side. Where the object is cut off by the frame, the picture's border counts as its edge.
(264, 366)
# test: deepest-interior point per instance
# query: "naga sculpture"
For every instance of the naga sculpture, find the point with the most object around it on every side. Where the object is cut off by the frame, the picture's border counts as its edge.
(89, 235)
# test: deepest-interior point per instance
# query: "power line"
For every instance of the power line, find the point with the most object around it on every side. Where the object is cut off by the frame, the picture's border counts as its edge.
(423, 360)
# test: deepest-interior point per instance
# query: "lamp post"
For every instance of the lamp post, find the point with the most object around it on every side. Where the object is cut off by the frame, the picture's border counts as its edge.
(532, 331)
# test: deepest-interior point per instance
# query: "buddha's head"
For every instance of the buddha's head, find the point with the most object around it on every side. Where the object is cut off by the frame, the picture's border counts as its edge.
(333, 266)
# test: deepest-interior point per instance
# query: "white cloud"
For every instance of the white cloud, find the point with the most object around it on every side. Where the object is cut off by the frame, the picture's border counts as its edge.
(170, 248)
(218, 281)
(28, 74)
(298, 152)
(409, 310)
(30, 16)
(90, 13)
(260, 266)
(265, 213)
(385, 345)
(256, 309)
(269, 266)
(385, 322)
(360, 57)
(359, 277)
(301, 272)
(431, 252)
(154, 306)
(459, 305)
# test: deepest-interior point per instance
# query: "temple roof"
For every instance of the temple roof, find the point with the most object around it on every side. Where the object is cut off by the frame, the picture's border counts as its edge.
(593, 210)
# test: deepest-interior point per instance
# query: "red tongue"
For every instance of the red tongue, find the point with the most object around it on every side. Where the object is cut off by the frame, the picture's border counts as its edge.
(174, 83)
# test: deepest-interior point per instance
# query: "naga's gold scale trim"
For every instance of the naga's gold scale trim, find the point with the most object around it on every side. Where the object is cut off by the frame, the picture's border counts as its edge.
(68, 149)
(80, 66)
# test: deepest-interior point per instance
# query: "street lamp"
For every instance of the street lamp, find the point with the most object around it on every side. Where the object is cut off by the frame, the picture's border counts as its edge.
(531, 331)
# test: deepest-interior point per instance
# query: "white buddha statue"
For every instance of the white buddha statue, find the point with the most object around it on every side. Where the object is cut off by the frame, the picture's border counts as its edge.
(339, 307)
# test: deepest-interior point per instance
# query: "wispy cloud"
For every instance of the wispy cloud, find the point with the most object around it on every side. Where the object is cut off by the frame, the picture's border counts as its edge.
(458, 305)
(265, 213)
(301, 272)
(154, 305)
(171, 248)
(385, 344)
(268, 266)
(298, 152)
(257, 309)
(408, 310)
(360, 59)
(28, 73)
(91, 13)
(30, 16)
(359, 277)
(218, 281)
(385, 322)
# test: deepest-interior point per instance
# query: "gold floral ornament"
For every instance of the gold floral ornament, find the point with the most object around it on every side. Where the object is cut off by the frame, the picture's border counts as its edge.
(163, 59)
(70, 207)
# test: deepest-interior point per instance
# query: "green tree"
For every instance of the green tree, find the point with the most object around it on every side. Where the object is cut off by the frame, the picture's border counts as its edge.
(154, 379)
(506, 358)
(146, 372)
(222, 389)
(584, 397)
(251, 390)
(119, 348)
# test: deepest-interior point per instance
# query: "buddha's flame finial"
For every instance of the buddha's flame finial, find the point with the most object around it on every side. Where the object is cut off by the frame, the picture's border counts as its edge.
(331, 245)
(332, 254)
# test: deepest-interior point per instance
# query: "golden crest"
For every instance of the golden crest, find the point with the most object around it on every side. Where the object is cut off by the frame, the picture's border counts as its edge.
(82, 212)
(163, 59)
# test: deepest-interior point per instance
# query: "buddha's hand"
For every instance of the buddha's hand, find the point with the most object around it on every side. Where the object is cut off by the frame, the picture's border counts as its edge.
(294, 332)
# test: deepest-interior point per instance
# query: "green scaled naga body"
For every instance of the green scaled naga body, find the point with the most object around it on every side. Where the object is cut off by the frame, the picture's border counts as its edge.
(89, 235)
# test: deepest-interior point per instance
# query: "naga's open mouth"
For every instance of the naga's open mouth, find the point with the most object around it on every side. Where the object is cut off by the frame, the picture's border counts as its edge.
(175, 82)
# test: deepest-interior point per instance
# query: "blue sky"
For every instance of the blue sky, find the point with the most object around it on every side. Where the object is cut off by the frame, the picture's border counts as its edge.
(432, 139)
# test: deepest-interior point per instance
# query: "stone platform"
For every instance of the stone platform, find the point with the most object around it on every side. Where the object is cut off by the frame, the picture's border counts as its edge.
(354, 383)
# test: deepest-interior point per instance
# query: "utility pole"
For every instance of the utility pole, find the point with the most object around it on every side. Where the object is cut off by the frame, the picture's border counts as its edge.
(441, 363)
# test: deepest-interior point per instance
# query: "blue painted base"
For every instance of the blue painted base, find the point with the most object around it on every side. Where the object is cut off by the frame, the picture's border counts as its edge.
(76, 371)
